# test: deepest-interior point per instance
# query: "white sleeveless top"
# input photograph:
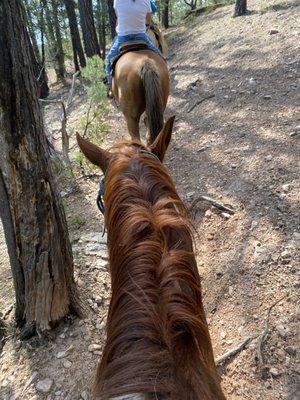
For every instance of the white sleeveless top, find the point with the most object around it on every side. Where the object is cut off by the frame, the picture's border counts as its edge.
(131, 16)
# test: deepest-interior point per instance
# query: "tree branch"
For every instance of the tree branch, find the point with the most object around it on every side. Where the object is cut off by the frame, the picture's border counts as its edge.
(63, 119)
(88, 122)
(263, 335)
(225, 357)
(214, 202)
(200, 101)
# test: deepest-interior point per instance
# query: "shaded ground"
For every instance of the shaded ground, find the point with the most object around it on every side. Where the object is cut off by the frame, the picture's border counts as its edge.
(235, 91)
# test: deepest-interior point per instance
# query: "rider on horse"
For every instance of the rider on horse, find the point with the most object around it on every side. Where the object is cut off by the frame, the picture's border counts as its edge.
(132, 18)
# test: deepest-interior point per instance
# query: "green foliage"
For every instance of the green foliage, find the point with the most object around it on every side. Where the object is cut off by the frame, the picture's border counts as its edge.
(3, 330)
(78, 157)
(67, 44)
(263, 8)
(93, 123)
(220, 2)
(5, 392)
(76, 221)
(179, 8)
(66, 206)
(97, 129)
(94, 73)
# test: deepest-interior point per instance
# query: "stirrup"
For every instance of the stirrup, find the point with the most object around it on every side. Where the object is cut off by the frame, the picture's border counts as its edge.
(109, 93)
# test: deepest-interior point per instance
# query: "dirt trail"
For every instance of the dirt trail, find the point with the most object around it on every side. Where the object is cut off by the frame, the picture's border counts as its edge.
(235, 92)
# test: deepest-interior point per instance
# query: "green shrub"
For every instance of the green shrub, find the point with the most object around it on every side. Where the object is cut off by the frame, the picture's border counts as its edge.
(263, 8)
(93, 124)
(76, 221)
(66, 206)
(94, 73)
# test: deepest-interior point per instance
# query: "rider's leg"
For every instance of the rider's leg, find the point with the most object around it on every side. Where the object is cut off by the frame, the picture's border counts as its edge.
(113, 52)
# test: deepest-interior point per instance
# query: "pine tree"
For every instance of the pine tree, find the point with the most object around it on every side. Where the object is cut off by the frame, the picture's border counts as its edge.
(31, 211)
(75, 36)
(90, 39)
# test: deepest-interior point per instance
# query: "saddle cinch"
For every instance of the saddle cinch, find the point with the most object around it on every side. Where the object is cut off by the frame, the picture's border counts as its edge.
(133, 45)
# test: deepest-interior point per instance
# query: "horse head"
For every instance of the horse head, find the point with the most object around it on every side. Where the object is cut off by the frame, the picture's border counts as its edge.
(102, 158)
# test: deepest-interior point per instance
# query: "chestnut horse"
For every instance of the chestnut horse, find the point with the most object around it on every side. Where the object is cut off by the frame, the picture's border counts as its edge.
(158, 344)
(141, 83)
(157, 38)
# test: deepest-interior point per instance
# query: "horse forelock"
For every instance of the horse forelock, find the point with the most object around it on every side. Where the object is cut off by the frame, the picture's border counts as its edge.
(156, 316)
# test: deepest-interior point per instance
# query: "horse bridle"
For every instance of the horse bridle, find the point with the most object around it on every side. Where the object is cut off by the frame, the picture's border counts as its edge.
(101, 191)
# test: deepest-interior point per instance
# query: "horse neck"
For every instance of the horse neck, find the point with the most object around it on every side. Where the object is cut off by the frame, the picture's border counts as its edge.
(157, 337)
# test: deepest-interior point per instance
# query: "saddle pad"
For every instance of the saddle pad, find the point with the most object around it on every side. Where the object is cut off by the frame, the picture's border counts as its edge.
(136, 396)
(133, 45)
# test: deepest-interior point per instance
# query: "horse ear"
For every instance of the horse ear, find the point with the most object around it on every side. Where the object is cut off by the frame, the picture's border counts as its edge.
(93, 153)
(161, 143)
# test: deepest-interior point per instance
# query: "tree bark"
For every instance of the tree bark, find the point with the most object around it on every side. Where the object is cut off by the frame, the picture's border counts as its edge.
(32, 213)
(90, 39)
(2, 334)
(75, 36)
(240, 8)
(17, 273)
(112, 18)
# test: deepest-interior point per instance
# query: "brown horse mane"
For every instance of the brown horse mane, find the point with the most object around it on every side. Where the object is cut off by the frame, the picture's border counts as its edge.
(157, 337)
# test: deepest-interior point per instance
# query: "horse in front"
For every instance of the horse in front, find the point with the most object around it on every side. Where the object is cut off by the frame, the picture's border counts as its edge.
(158, 345)
(141, 84)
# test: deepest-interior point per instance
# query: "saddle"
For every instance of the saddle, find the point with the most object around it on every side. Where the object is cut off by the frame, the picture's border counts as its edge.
(133, 45)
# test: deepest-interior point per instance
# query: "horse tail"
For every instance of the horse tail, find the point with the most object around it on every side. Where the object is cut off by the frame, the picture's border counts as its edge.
(153, 99)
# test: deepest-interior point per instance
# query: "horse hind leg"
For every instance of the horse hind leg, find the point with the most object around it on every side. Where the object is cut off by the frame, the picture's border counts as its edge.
(133, 128)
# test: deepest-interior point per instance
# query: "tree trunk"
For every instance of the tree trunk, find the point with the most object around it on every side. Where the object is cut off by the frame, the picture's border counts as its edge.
(40, 75)
(59, 53)
(112, 18)
(165, 14)
(32, 213)
(101, 25)
(75, 36)
(17, 273)
(240, 8)
(90, 39)
(2, 331)
(50, 36)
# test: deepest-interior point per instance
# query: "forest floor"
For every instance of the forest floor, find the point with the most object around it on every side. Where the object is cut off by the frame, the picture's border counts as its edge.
(235, 93)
